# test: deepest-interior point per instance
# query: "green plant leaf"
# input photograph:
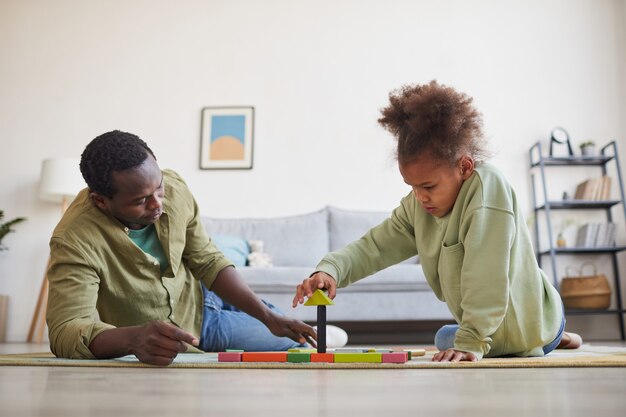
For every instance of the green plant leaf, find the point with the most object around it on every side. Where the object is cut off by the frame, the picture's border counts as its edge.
(6, 227)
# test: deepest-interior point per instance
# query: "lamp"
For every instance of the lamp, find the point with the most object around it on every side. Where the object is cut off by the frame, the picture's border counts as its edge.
(59, 182)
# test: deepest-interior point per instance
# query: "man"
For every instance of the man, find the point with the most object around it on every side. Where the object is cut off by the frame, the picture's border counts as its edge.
(132, 248)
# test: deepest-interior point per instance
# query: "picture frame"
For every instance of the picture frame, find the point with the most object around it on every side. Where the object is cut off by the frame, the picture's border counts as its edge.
(227, 137)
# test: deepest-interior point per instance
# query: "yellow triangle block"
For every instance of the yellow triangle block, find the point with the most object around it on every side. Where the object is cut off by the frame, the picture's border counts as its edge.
(319, 298)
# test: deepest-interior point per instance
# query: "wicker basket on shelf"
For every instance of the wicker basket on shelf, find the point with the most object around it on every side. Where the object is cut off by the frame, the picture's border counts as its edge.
(585, 291)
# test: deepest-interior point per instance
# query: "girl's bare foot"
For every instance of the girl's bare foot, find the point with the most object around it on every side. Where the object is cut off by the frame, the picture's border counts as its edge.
(570, 341)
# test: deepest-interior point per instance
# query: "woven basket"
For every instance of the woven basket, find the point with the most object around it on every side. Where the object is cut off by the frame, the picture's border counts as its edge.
(586, 291)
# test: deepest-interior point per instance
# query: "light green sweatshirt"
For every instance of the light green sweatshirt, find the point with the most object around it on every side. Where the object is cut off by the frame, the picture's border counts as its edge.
(479, 259)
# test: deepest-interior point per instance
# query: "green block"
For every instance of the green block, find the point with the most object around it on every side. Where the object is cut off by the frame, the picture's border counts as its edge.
(358, 357)
(298, 357)
(234, 350)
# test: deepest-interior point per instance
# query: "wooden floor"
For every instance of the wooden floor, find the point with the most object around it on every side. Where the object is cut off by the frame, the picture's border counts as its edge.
(125, 392)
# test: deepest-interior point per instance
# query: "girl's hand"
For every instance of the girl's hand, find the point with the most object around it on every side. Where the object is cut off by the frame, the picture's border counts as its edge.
(452, 355)
(315, 282)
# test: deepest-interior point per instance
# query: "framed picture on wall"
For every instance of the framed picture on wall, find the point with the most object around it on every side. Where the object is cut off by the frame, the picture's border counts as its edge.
(227, 137)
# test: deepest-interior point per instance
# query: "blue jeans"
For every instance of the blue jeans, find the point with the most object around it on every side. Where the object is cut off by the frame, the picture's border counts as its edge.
(444, 339)
(226, 327)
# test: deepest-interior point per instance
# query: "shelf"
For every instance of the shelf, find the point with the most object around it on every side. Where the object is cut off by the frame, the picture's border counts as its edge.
(580, 204)
(574, 160)
(538, 167)
(578, 251)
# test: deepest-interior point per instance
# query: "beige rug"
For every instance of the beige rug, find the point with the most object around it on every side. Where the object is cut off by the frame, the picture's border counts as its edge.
(586, 356)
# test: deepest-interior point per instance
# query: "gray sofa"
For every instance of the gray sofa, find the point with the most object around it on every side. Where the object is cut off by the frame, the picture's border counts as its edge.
(297, 243)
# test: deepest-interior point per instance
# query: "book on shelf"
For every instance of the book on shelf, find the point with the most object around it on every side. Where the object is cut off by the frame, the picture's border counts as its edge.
(596, 235)
(586, 236)
(601, 235)
(611, 233)
(594, 189)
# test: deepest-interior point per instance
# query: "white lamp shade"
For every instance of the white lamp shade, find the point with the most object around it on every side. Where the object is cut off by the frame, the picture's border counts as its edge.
(60, 179)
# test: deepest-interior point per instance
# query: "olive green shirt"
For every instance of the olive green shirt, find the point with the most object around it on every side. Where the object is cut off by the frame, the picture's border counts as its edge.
(96, 268)
(479, 259)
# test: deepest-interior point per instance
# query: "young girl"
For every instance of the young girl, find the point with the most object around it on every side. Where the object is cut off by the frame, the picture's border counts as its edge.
(464, 221)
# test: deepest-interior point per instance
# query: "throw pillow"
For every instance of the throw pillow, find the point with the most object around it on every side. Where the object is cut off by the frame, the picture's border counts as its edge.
(235, 248)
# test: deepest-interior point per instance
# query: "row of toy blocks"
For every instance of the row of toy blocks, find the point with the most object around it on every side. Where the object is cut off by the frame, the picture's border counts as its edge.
(411, 352)
(369, 357)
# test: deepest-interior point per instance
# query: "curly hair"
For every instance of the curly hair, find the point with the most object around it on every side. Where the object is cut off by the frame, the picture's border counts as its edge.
(111, 151)
(433, 118)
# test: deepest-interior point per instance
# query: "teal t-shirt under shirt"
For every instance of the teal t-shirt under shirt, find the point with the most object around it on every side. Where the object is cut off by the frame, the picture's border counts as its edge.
(148, 241)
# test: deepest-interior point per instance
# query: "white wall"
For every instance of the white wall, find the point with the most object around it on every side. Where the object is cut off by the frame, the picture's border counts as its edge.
(317, 74)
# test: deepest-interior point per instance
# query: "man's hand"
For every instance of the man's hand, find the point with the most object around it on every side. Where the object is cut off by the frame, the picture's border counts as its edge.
(236, 292)
(155, 343)
(315, 282)
(294, 329)
(453, 355)
(158, 342)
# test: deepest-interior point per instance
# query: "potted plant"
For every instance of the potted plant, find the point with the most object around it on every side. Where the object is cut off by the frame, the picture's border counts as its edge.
(588, 148)
(5, 228)
(4, 299)
(560, 237)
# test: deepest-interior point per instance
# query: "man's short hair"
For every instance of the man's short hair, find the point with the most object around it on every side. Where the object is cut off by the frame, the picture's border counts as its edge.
(111, 151)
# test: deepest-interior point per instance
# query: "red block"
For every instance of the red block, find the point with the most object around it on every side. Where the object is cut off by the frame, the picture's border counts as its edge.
(323, 357)
(395, 357)
(229, 356)
(264, 357)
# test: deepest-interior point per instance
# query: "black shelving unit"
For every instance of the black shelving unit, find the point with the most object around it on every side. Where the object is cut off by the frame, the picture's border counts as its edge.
(539, 162)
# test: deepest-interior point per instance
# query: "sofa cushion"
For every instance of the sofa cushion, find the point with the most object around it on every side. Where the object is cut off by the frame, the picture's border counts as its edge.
(290, 241)
(346, 226)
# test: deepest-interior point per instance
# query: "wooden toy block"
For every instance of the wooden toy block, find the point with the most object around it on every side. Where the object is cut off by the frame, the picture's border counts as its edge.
(319, 298)
(264, 357)
(323, 357)
(354, 350)
(234, 350)
(395, 357)
(363, 350)
(298, 357)
(229, 356)
(415, 352)
(358, 357)
(321, 329)
(302, 350)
